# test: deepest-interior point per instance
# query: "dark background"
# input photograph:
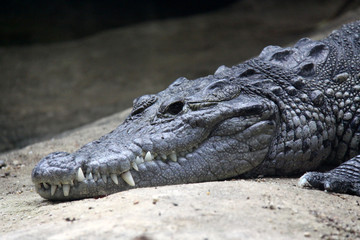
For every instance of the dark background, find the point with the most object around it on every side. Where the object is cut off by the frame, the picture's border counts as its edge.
(67, 63)
(41, 21)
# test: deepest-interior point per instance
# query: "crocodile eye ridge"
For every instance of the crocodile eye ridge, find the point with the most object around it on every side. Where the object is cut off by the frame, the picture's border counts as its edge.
(143, 102)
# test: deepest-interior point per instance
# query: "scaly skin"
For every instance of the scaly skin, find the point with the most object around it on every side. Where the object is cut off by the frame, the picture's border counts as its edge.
(285, 112)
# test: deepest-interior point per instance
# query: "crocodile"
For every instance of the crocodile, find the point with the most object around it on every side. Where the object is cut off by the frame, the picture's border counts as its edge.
(287, 112)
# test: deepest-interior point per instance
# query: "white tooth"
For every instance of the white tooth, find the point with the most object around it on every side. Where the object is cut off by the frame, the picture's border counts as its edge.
(72, 182)
(173, 157)
(89, 176)
(98, 176)
(148, 157)
(66, 189)
(104, 178)
(128, 178)
(80, 175)
(163, 156)
(46, 186)
(139, 160)
(95, 178)
(114, 178)
(53, 189)
(135, 166)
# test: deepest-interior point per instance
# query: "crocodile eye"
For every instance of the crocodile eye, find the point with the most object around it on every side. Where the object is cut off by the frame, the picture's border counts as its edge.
(175, 108)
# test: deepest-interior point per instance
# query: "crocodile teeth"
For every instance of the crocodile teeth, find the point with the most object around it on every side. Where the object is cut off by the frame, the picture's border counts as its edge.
(135, 166)
(53, 189)
(173, 157)
(148, 157)
(114, 178)
(104, 178)
(139, 160)
(128, 178)
(95, 178)
(163, 157)
(80, 175)
(46, 186)
(89, 176)
(66, 189)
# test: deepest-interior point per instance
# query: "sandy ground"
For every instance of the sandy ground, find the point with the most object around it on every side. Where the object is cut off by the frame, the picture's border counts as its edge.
(270, 208)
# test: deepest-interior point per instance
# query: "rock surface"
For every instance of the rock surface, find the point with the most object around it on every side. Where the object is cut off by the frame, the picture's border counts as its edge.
(270, 208)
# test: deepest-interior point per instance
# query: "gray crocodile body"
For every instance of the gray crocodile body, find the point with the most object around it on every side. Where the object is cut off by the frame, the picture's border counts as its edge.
(285, 112)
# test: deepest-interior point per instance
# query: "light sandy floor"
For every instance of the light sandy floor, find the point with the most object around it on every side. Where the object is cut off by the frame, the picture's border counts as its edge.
(269, 208)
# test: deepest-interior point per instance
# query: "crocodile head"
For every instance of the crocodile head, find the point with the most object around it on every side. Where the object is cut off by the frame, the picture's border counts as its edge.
(206, 129)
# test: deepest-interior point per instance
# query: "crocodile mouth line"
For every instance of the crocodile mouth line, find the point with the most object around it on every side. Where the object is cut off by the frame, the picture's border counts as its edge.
(104, 178)
(95, 178)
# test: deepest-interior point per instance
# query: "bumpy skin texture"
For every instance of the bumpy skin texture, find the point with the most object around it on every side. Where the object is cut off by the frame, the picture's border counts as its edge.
(285, 112)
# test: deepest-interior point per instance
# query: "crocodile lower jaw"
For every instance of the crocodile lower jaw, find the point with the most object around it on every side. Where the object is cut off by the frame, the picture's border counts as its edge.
(49, 190)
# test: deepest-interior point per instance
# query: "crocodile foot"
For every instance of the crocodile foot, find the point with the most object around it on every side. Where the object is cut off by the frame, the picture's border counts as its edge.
(343, 179)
